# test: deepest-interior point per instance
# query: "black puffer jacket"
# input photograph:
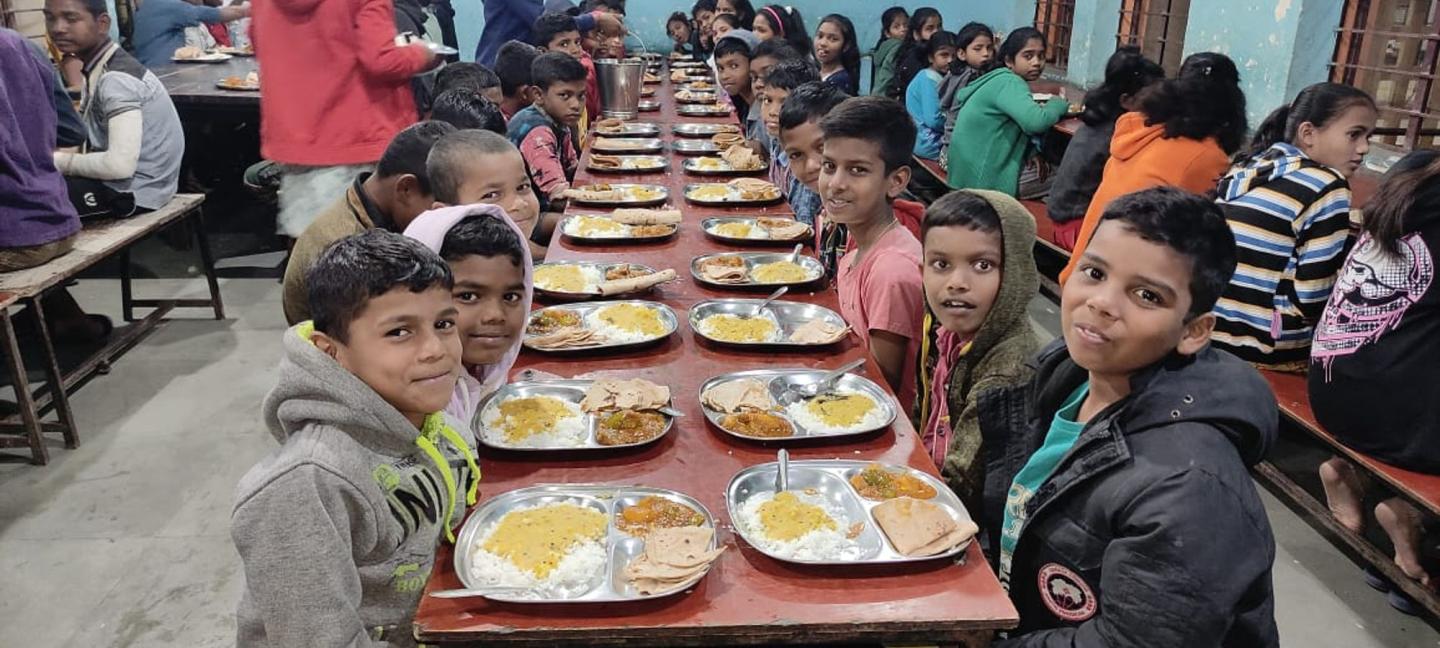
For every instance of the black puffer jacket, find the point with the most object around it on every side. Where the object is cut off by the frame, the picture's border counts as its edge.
(1149, 532)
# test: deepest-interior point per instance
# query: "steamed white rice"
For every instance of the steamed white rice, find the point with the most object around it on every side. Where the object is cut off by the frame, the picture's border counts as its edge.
(613, 333)
(800, 413)
(568, 431)
(820, 544)
(576, 574)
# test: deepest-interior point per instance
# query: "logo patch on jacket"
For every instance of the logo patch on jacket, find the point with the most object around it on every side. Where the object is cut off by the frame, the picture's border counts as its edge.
(1065, 594)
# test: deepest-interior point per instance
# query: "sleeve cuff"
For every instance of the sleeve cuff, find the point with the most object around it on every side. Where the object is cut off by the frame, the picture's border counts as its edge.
(586, 21)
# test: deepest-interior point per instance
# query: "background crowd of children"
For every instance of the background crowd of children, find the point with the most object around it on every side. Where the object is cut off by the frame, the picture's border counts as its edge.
(1114, 459)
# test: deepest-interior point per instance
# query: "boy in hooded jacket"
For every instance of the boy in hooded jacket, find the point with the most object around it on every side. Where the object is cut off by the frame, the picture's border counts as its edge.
(337, 528)
(1117, 491)
(979, 272)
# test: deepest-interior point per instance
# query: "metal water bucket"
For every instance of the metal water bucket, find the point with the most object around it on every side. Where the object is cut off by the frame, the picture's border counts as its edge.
(620, 82)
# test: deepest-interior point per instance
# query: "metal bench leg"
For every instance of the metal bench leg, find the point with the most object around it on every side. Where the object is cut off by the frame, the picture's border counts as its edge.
(127, 301)
(56, 380)
(23, 398)
(198, 224)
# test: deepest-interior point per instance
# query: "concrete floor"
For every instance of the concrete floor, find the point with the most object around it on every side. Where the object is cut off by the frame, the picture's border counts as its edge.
(125, 540)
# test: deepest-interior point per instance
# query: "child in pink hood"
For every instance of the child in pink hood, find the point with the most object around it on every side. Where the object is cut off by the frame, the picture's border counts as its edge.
(493, 290)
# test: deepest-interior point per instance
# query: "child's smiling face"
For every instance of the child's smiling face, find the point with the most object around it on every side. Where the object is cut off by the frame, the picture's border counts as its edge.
(829, 42)
(500, 179)
(853, 183)
(489, 294)
(962, 274)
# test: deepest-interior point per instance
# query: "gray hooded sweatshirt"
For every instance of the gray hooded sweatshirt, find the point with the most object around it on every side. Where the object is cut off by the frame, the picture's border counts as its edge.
(337, 528)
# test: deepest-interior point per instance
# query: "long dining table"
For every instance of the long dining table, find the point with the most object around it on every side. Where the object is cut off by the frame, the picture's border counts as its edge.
(747, 598)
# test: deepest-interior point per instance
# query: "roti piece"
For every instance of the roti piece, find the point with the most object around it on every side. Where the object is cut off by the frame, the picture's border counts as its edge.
(818, 332)
(616, 394)
(673, 557)
(746, 394)
(919, 528)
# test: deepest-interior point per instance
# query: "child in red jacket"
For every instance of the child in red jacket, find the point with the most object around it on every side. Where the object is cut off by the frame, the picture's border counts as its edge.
(337, 90)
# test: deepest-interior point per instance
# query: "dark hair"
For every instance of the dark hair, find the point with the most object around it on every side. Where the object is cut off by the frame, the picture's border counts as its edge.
(788, 24)
(729, 18)
(1190, 224)
(905, 69)
(679, 17)
(775, 48)
(465, 75)
(465, 108)
(408, 151)
(617, 6)
(888, 17)
(96, 7)
(549, 25)
(1013, 43)
(1126, 73)
(355, 269)
(701, 5)
(790, 74)
(555, 67)
(809, 102)
(961, 208)
(941, 39)
(447, 160)
(1409, 193)
(744, 12)
(1318, 104)
(850, 51)
(727, 46)
(880, 120)
(481, 236)
(970, 32)
(512, 65)
(1203, 101)
(917, 21)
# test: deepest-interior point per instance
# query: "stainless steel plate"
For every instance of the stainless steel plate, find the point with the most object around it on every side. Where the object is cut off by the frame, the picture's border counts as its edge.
(667, 319)
(662, 195)
(687, 64)
(779, 379)
(631, 129)
(694, 146)
(702, 110)
(711, 224)
(703, 130)
(602, 268)
(571, 391)
(786, 315)
(607, 144)
(753, 259)
(627, 237)
(732, 197)
(697, 97)
(633, 164)
(609, 584)
(830, 479)
(701, 85)
(719, 167)
(648, 105)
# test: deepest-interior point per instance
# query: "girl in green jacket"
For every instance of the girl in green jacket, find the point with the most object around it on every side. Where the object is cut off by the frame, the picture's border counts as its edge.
(998, 116)
(894, 30)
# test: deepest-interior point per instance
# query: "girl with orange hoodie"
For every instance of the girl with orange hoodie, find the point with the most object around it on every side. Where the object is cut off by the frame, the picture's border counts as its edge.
(1183, 135)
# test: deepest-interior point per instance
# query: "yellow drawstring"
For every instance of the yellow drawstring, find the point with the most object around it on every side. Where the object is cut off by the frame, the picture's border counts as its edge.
(435, 427)
(473, 493)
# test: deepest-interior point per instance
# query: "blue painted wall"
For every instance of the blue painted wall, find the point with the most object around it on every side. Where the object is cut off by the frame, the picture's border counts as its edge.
(646, 18)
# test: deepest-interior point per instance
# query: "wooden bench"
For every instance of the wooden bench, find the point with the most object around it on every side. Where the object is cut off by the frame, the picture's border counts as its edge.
(1292, 395)
(1050, 258)
(95, 243)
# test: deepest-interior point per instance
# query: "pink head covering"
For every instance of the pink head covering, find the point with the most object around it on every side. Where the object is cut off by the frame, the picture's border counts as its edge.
(430, 229)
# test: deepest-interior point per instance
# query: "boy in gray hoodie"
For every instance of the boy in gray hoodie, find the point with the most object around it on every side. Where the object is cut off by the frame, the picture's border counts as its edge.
(337, 528)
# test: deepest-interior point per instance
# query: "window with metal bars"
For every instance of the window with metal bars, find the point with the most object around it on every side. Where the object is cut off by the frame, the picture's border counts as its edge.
(1388, 48)
(1056, 19)
(1157, 27)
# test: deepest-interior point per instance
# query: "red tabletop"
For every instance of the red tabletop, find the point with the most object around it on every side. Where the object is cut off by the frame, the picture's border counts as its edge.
(747, 598)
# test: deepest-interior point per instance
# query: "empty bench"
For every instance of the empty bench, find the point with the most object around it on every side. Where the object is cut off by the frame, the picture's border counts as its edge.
(96, 242)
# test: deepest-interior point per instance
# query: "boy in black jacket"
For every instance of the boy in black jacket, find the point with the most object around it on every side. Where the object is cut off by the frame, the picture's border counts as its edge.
(1117, 496)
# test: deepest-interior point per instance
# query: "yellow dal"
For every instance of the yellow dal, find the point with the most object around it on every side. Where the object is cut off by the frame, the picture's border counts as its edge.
(787, 518)
(780, 272)
(633, 318)
(536, 540)
(841, 411)
(711, 192)
(733, 328)
(525, 417)
(734, 230)
(562, 278)
(590, 226)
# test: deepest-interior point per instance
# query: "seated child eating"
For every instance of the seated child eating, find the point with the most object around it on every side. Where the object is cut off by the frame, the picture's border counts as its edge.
(865, 166)
(471, 167)
(558, 32)
(979, 275)
(465, 109)
(543, 133)
(732, 65)
(391, 197)
(804, 144)
(337, 528)
(974, 50)
(512, 65)
(472, 76)
(493, 289)
(922, 97)
(766, 55)
(1117, 484)
(770, 96)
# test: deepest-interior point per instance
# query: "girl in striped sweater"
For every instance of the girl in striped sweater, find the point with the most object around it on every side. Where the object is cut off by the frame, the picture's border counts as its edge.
(1288, 203)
